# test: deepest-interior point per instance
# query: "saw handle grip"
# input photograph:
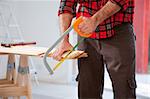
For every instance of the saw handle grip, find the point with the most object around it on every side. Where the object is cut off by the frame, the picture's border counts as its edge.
(75, 26)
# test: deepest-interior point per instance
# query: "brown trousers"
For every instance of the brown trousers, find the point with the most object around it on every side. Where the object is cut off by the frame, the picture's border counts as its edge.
(118, 53)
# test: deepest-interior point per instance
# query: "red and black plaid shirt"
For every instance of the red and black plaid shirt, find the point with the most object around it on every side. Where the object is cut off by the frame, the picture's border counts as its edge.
(89, 7)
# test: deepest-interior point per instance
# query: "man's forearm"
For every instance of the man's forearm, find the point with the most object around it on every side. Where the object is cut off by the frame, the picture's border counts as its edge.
(108, 10)
(65, 21)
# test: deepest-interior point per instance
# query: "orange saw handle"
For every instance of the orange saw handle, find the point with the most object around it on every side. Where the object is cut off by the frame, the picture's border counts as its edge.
(75, 26)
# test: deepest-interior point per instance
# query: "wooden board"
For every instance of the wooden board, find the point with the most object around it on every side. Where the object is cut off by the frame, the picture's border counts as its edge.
(37, 51)
(24, 50)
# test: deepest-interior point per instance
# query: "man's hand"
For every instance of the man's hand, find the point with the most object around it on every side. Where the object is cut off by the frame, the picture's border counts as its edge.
(88, 25)
(63, 47)
(65, 21)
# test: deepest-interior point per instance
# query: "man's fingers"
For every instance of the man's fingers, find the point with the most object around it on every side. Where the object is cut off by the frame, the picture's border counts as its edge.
(87, 30)
(57, 55)
(84, 26)
(84, 29)
(58, 58)
(81, 25)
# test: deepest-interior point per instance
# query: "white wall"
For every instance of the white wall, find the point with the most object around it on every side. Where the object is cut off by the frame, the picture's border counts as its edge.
(39, 22)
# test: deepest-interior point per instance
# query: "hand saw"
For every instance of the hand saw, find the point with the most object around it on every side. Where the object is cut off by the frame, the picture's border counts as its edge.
(75, 28)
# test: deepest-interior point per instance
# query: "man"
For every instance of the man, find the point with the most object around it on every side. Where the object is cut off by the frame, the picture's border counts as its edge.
(112, 43)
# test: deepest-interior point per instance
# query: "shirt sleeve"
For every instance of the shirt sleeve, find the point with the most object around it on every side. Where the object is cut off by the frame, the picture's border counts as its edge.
(122, 3)
(67, 6)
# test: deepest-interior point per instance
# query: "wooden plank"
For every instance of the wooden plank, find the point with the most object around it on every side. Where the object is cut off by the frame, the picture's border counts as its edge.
(7, 85)
(75, 54)
(37, 51)
(24, 50)
(5, 82)
(14, 91)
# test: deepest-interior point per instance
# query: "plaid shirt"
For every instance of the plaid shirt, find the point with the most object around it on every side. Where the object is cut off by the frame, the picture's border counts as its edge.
(88, 8)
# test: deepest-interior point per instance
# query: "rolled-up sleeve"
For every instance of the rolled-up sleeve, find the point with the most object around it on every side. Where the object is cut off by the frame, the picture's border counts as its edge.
(122, 3)
(67, 6)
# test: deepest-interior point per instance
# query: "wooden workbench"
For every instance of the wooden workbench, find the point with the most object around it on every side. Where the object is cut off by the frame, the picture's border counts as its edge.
(22, 87)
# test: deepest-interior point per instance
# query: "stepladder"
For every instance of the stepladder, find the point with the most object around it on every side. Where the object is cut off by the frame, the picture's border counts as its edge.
(11, 32)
